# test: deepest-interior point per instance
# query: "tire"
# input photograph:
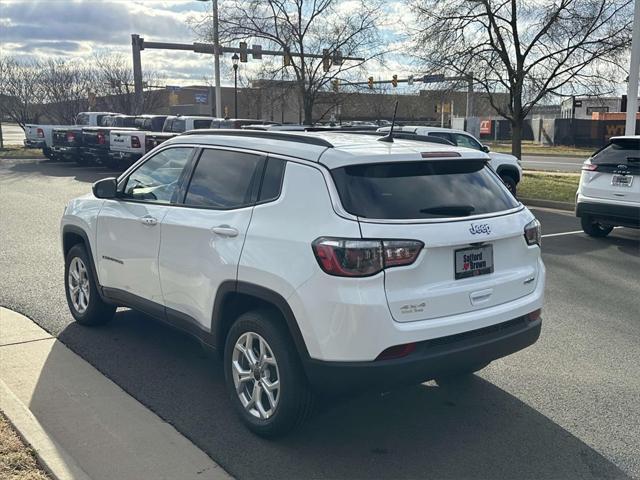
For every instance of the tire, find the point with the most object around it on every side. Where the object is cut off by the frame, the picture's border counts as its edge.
(292, 403)
(593, 228)
(460, 376)
(96, 312)
(510, 183)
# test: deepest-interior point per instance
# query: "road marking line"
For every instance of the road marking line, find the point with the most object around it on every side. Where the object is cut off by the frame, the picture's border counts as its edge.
(560, 234)
(567, 233)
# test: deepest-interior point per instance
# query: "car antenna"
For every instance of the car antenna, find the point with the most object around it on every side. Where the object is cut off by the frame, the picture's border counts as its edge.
(389, 137)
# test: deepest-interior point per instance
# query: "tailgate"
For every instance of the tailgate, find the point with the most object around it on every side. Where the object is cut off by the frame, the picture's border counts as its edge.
(429, 289)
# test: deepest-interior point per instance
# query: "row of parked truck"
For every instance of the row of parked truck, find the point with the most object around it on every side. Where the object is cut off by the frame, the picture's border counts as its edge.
(115, 140)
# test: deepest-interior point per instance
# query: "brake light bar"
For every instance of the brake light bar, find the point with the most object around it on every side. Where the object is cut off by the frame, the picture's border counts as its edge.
(440, 154)
(344, 257)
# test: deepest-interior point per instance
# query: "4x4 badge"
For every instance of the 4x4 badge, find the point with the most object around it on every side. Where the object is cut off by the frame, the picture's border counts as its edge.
(477, 229)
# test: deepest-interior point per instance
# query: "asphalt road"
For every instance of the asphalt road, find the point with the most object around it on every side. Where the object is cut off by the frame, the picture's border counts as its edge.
(567, 407)
(549, 163)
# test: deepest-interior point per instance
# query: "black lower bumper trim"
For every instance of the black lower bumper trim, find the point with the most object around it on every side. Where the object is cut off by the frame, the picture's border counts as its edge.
(430, 359)
(611, 214)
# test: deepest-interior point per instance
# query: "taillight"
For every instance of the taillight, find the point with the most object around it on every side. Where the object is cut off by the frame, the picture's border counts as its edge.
(71, 137)
(40, 133)
(533, 232)
(589, 167)
(135, 142)
(535, 315)
(361, 258)
(101, 138)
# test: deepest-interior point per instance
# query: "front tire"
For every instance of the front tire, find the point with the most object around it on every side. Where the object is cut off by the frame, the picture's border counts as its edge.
(264, 376)
(85, 303)
(510, 183)
(593, 228)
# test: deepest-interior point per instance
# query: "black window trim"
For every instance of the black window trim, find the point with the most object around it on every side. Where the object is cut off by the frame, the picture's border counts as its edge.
(187, 170)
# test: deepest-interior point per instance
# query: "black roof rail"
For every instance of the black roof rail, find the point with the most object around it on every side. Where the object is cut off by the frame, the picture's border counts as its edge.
(396, 134)
(285, 136)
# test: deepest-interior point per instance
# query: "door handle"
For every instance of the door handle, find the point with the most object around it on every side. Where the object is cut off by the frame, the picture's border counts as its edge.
(148, 220)
(225, 231)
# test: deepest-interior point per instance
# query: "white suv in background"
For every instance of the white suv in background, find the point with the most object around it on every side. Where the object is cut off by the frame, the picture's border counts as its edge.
(609, 190)
(313, 262)
(507, 166)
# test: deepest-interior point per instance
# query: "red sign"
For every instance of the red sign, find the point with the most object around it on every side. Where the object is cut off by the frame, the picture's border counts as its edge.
(485, 127)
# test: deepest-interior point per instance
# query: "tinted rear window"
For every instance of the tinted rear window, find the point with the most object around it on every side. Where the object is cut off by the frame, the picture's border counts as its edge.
(200, 124)
(624, 151)
(415, 190)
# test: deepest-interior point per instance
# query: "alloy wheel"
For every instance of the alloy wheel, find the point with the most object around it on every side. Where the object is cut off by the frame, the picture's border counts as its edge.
(78, 282)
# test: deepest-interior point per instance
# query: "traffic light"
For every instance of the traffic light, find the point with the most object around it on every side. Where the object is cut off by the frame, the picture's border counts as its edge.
(394, 80)
(370, 83)
(336, 84)
(326, 60)
(243, 52)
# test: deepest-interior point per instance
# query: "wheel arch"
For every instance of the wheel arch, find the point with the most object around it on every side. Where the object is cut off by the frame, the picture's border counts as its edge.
(236, 297)
(73, 235)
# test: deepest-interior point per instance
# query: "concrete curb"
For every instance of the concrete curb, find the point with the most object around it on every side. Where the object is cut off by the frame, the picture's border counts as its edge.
(82, 425)
(54, 459)
(534, 202)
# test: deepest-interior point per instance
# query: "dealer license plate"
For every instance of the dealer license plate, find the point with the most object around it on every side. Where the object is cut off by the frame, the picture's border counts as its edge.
(621, 180)
(471, 262)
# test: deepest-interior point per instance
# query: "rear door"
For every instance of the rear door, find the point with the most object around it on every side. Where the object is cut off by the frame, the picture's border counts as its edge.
(475, 254)
(203, 238)
(617, 171)
(128, 237)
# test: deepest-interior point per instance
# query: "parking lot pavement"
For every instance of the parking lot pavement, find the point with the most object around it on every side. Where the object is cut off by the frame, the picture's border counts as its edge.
(567, 407)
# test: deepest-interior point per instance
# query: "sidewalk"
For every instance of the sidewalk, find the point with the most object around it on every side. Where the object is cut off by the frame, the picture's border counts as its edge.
(81, 424)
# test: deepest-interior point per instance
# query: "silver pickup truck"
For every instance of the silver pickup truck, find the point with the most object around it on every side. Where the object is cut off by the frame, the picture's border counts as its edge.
(41, 136)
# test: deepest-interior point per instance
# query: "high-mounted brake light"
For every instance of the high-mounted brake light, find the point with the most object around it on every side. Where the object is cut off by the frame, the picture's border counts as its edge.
(533, 232)
(345, 257)
(135, 142)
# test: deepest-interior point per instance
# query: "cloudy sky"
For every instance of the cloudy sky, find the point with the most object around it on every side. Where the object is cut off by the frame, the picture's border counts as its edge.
(82, 28)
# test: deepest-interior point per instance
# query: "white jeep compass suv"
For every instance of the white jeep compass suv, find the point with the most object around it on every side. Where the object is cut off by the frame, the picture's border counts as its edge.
(313, 262)
(609, 190)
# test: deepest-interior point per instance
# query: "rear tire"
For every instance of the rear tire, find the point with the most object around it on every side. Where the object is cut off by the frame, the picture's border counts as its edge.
(265, 409)
(593, 228)
(510, 183)
(83, 298)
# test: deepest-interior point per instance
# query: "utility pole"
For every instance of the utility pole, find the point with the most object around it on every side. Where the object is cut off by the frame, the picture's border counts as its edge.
(216, 57)
(634, 73)
(136, 43)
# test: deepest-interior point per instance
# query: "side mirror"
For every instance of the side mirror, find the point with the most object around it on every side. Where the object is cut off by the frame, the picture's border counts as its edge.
(485, 148)
(105, 188)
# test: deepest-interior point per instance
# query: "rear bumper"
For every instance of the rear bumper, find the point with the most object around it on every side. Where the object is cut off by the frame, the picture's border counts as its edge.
(95, 154)
(124, 157)
(430, 359)
(69, 152)
(610, 212)
(28, 143)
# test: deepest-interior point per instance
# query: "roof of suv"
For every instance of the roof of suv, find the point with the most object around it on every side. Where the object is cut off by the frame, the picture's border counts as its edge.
(413, 128)
(336, 148)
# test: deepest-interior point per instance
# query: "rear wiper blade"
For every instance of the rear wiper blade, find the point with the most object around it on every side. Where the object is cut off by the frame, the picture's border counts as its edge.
(455, 210)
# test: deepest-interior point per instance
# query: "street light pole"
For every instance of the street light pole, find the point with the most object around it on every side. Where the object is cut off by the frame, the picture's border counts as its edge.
(235, 59)
(216, 57)
(634, 72)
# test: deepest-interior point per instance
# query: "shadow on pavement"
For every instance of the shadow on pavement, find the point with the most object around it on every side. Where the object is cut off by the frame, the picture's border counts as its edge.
(472, 430)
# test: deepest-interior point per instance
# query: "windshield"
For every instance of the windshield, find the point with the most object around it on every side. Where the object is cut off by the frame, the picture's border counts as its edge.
(417, 190)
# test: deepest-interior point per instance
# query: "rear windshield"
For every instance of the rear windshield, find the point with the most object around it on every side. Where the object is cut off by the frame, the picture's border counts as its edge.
(82, 119)
(415, 190)
(620, 151)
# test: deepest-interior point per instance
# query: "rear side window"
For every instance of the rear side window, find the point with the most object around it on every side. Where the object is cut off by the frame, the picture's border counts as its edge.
(419, 190)
(619, 152)
(224, 179)
(82, 119)
(272, 180)
(444, 135)
(178, 126)
(466, 141)
(200, 124)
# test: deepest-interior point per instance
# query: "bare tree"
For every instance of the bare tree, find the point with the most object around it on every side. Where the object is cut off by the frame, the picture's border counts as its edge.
(113, 82)
(66, 86)
(306, 27)
(21, 93)
(530, 50)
